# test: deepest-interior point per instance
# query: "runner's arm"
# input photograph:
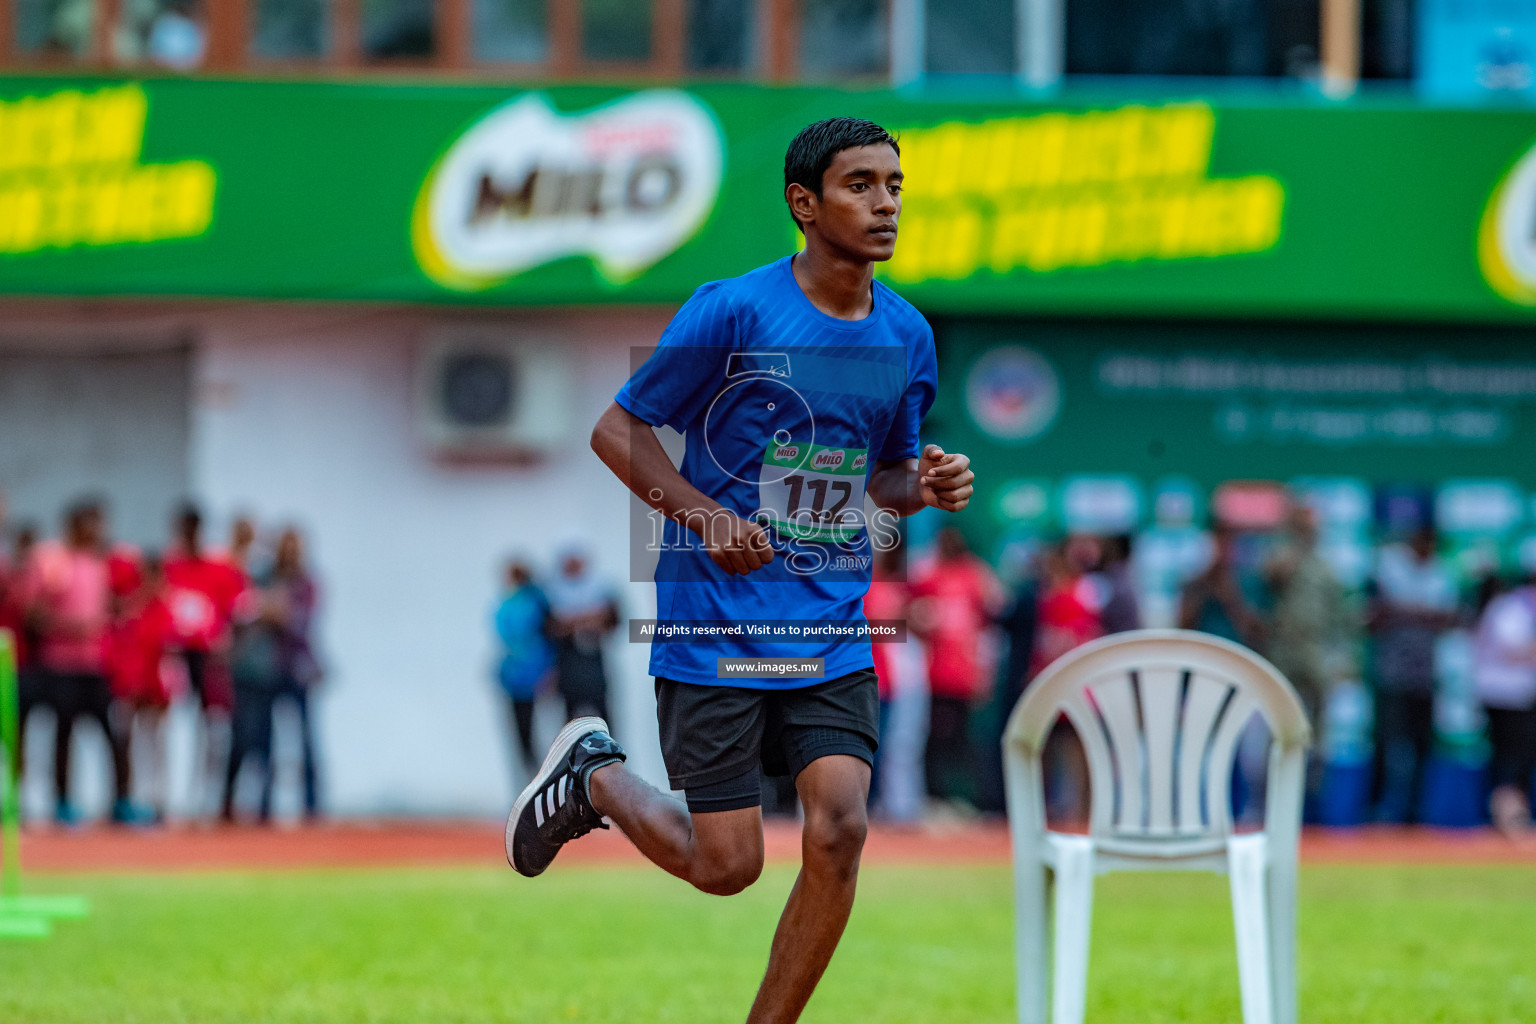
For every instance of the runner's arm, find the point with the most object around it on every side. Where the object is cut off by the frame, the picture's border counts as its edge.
(905, 486)
(628, 445)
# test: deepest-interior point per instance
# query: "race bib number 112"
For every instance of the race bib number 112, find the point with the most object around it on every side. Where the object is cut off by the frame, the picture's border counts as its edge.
(813, 492)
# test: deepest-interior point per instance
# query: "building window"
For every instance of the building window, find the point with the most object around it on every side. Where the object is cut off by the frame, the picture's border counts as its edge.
(1195, 37)
(970, 37)
(166, 33)
(1386, 49)
(56, 28)
(290, 29)
(844, 38)
(514, 31)
(722, 35)
(398, 29)
(616, 30)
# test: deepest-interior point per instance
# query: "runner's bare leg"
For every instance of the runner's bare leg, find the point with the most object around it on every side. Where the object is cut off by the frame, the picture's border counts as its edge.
(833, 791)
(718, 852)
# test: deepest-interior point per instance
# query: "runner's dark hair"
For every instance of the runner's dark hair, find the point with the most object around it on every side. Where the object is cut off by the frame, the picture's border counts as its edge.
(812, 151)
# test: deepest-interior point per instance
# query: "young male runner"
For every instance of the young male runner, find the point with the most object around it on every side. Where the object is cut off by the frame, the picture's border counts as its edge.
(800, 388)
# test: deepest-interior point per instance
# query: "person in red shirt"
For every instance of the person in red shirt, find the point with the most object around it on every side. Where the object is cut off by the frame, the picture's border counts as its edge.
(141, 678)
(886, 599)
(953, 605)
(1068, 617)
(201, 591)
(13, 617)
(13, 614)
(68, 595)
(1070, 602)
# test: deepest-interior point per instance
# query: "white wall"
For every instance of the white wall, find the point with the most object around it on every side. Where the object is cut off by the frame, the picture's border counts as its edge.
(307, 416)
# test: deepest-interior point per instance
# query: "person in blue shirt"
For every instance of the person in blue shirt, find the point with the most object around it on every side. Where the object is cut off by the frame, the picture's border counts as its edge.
(799, 388)
(522, 624)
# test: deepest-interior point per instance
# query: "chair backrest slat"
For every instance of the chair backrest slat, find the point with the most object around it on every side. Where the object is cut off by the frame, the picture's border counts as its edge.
(1218, 775)
(1161, 690)
(1203, 702)
(1115, 698)
(1085, 719)
(1160, 714)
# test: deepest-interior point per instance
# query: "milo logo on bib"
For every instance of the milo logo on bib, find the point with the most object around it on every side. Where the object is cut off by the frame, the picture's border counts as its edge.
(827, 460)
(813, 492)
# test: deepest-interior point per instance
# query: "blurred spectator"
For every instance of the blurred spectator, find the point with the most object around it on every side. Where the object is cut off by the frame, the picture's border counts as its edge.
(1121, 612)
(141, 680)
(13, 617)
(1309, 639)
(886, 598)
(583, 611)
(1311, 625)
(202, 594)
(1504, 673)
(14, 613)
(1070, 603)
(1413, 601)
(1018, 622)
(1068, 617)
(291, 579)
(522, 624)
(273, 660)
(242, 544)
(953, 603)
(1213, 602)
(69, 598)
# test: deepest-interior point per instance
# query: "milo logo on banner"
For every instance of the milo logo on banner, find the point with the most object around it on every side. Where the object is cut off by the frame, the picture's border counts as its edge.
(625, 184)
(828, 459)
(1506, 243)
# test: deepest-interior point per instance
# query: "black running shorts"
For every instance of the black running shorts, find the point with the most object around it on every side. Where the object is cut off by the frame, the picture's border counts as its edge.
(714, 738)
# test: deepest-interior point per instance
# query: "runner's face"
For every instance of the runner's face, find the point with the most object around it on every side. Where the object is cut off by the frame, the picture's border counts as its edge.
(861, 202)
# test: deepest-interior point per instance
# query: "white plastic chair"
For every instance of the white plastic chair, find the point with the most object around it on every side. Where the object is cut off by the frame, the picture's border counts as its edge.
(1159, 713)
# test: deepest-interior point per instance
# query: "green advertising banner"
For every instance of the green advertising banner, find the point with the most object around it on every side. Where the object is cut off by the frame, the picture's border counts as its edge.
(1113, 426)
(506, 195)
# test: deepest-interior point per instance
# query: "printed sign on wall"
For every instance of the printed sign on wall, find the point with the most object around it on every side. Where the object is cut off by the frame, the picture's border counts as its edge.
(71, 175)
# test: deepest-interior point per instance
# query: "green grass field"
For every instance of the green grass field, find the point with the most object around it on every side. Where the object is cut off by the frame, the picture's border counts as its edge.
(1390, 945)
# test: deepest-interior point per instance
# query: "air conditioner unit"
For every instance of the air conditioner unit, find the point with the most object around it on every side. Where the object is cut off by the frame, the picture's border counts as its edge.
(483, 393)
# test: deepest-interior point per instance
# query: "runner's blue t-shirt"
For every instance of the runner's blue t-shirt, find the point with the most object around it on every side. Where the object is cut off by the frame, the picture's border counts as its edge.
(785, 410)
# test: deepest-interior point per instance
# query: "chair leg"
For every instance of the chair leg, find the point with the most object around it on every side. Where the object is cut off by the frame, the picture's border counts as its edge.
(1282, 934)
(1032, 937)
(1074, 919)
(1246, 857)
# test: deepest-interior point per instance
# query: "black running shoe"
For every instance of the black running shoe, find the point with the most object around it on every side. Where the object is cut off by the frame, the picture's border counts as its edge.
(556, 807)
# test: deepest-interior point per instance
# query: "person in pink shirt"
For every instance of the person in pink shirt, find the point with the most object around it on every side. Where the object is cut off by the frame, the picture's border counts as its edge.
(68, 595)
(953, 605)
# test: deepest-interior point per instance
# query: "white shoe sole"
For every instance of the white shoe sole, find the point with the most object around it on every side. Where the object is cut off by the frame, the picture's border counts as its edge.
(562, 745)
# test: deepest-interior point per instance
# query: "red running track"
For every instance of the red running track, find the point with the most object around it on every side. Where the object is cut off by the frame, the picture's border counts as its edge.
(422, 843)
